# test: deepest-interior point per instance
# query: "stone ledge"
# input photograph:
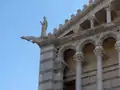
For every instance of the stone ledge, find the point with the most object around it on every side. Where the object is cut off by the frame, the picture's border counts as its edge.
(50, 80)
(46, 71)
(58, 81)
(53, 89)
(51, 50)
(46, 81)
(81, 35)
(47, 55)
(47, 47)
(49, 89)
(45, 60)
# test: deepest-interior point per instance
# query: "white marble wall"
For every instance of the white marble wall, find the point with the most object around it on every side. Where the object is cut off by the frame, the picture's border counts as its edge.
(46, 74)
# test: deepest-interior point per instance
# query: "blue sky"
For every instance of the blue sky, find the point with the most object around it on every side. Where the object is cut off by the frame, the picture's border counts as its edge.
(19, 59)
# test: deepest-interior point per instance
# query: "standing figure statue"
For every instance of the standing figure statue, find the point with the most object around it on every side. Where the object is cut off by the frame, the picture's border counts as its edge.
(44, 25)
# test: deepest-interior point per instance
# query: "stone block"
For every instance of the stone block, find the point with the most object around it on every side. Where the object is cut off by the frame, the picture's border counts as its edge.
(58, 76)
(57, 86)
(47, 48)
(47, 65)
(110, 74)
(90, 87)
(47, 55)
(89, 79)
(46, 76)
(107, 84)
(45, 86)
(115, 82)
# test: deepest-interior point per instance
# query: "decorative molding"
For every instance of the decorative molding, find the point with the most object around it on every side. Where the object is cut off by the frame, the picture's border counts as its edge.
(106, 35)
(46, 81)
(65, 47)
(45, 60)
(87, 33)
(50, 80)
(50, 50)
(83, 42)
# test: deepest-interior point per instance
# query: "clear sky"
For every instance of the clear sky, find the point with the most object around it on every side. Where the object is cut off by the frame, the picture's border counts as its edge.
(19, 59)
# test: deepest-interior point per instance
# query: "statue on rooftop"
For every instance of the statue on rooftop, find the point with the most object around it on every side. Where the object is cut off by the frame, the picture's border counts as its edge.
(44, 25)
(90, 2)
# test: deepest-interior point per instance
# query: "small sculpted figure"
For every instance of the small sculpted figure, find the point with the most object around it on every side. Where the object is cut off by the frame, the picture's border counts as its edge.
(44, 25)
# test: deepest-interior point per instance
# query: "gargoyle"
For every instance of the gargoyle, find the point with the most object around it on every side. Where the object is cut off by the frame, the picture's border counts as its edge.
(31, 38)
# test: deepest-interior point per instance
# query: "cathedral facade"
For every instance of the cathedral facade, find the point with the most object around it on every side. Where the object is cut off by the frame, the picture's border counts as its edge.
(84, 52)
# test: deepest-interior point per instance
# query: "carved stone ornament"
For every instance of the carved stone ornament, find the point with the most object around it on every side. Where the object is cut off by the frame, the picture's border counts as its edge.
(117, 46)
(85, 7)
(66, 21)
(79, 12)
(90, 2)
(50, 36)
(55, 31)
(98, 51)
(79, 57)
(72, 17)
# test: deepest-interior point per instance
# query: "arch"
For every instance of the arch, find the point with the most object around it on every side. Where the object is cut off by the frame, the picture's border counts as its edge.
(65, 47)
(81, 44)
(110, 53)
(87, 46)
(105, 36)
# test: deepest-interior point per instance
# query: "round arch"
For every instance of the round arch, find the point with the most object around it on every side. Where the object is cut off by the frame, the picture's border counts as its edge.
(65, 47)
(84, 42)
(107, 35)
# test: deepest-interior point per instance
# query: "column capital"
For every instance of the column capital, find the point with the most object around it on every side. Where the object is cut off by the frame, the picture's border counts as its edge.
(79, 57)
(108, 8)
(117, 46)
(98, 50)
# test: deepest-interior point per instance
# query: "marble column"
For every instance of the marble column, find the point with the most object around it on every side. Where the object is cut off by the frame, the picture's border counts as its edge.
(92, 23)
(99, 52)
(79, 59)
(92, 19)
(108, 15)
(117, 46)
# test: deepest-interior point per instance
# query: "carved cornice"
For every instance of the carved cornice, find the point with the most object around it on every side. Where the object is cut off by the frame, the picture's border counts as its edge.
(86, 33)
(52, 39)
